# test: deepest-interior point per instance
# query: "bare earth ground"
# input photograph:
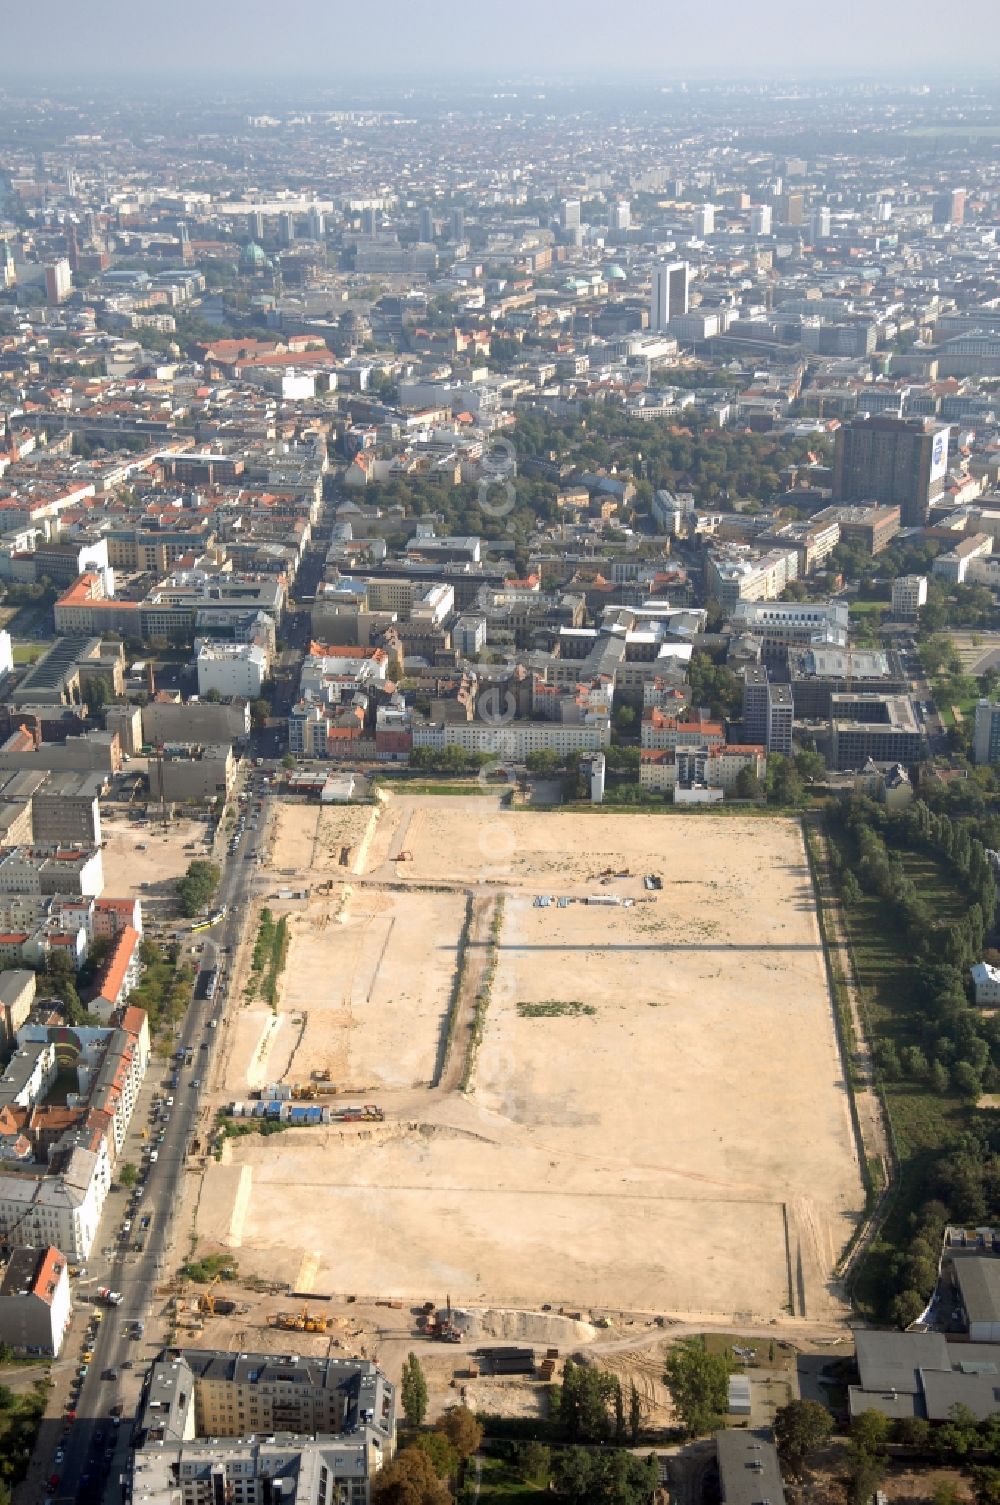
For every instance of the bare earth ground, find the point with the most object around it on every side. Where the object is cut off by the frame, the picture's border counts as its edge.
(148, 875)
(679, 1141)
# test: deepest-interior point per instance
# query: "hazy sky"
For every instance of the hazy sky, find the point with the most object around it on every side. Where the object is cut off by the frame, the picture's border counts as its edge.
(368, 39)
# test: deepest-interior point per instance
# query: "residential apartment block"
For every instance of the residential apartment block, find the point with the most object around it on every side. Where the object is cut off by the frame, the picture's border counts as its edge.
(258, 1428)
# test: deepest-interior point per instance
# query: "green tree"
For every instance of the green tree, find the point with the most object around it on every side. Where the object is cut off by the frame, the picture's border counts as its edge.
(619, 1413)
(584, 1399)
(698, 1382)
(544, 762)
(129, 1174)
(800, 1427)
(611, 1476)
(58, 980)
(409, 1480)
(634, 1414)
(810, 766)
(462, 1430)
(784, 787)
(197, 888)
(870, 1433)
(747, 786)
(850, 889)
(986, 1483)
(533, 1462)
(94, 690)
(444, 1459)
(946, 1493)
(866, 1472)
(414, 1391)
(911, 1432)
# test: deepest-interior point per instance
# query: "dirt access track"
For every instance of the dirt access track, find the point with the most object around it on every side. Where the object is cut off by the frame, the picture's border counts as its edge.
(655, 1117)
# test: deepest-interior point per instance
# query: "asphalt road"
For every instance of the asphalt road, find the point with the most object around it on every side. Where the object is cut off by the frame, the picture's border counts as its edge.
(83, 1474)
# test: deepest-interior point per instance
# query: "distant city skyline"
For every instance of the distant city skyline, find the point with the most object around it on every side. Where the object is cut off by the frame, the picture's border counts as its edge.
(649, 38)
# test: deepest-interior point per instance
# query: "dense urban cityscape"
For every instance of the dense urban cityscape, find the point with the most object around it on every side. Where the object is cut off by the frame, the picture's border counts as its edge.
(499, 788)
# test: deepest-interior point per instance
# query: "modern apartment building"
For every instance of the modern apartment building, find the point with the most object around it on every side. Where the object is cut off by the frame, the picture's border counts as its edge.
(513, 740)
(780, 719)
(986, 733)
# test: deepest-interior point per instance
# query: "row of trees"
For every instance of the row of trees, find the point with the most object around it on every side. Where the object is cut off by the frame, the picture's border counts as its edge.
(591, 1406)
(880, 837)
(926, 1033)
(588, 1408)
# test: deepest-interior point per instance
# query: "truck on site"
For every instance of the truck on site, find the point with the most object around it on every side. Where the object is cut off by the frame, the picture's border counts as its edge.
(108, 1296)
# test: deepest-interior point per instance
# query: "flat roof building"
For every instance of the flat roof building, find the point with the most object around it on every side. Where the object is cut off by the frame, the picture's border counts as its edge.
(881, 727)
(748, 1468)
(260, 1427)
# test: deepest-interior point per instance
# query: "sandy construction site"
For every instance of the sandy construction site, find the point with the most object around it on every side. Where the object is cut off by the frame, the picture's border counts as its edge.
(654, 1118)
(145, 861)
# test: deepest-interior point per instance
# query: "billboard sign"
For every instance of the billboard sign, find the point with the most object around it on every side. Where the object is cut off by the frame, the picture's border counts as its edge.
(939, 454)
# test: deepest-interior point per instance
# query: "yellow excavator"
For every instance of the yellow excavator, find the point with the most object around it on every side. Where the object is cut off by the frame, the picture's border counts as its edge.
(206, 1302)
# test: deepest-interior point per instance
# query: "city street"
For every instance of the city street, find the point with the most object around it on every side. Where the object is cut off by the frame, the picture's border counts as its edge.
(85, 1473)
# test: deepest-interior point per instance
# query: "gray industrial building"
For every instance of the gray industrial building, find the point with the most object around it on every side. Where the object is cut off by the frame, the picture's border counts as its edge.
(924, 1374)
(748, 1468)
(189, 771)
(881, 727)
(818, 673)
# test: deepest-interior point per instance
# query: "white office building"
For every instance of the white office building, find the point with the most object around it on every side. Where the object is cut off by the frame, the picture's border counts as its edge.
(669, 294)
(231, 670)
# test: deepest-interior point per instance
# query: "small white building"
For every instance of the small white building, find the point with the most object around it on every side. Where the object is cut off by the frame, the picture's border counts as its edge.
(338, 789)
(986, 981)
(231, 669)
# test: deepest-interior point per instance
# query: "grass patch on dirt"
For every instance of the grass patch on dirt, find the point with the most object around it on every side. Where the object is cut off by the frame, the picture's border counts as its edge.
(553, 1010)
